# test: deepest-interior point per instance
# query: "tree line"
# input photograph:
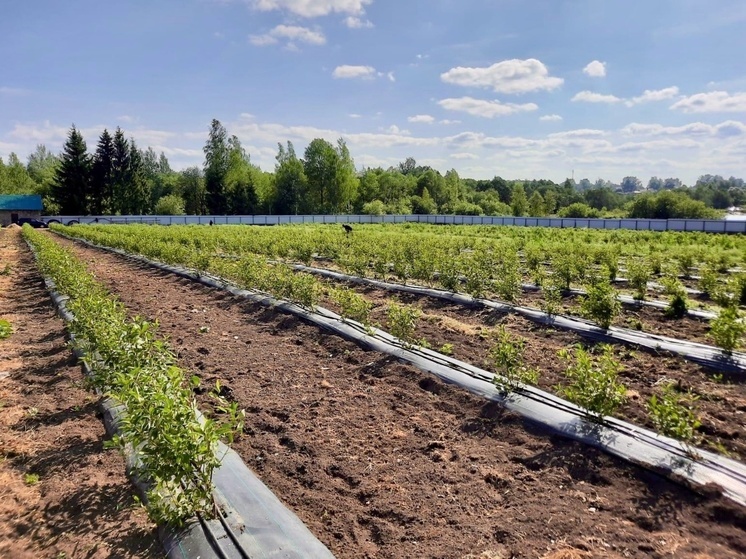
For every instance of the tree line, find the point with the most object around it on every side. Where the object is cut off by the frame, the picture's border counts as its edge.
(120, 178)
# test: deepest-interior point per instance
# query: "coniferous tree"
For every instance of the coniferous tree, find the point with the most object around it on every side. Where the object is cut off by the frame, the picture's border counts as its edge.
(216, 168)
(120, 173)
(73, 177)
(138, 193)
(102, 176)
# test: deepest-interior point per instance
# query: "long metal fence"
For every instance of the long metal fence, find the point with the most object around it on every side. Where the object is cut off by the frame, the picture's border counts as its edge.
(705, 225)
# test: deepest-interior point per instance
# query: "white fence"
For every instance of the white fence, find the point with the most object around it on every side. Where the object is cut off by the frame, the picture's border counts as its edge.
(706, 225)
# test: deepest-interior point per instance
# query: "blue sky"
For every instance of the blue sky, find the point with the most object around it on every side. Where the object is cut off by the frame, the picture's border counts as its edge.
(520, 89)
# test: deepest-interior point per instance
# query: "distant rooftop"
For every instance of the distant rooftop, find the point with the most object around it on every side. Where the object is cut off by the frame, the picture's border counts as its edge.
(9, 202)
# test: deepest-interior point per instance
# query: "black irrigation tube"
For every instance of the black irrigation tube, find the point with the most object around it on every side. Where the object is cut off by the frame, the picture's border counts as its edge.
(251, 521)
(702, 354)
(635, 444)
(632, 302)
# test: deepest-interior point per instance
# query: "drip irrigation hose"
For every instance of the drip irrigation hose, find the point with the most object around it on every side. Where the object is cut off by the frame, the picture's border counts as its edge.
(635, 444)
(703, 354)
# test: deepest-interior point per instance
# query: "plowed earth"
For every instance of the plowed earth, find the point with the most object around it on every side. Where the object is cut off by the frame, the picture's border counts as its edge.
(62, 495)
(381, 460)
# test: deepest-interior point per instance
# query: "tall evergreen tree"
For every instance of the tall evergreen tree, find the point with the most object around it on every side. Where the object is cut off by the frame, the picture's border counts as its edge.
(216, 168)
(102, 176)
(120, 173)
(73, 177)
(138, 192)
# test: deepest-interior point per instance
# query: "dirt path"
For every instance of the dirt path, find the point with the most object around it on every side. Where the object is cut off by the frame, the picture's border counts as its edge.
(61, 493)
(380, 460)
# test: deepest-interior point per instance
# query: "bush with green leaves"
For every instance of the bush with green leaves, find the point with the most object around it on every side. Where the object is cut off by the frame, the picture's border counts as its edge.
(402, 322)
(353, 305)
(679, 302)
(673, 415)
(5, 329)
(600, 302)
(551, 302)
(448, 273)
(708, 281)
(507, 357)
(727, 330)
(507, 282)
(593, 383)
(638, 274)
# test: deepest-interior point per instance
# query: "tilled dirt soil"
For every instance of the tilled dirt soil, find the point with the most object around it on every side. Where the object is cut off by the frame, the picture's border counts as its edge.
(62, 495)
(381, 460)
(719, 404)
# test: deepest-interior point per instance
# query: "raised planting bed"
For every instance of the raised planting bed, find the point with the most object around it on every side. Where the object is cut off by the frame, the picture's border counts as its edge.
(62, 492)
(382, 460)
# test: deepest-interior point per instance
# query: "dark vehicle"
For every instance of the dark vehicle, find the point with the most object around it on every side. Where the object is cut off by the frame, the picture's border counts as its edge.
(33, 222)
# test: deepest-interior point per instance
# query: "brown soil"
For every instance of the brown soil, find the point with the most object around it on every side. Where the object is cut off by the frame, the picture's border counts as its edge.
(381, 460)
(82, 504)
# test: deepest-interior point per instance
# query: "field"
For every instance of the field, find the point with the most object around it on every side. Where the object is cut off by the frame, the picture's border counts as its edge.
(382, 460)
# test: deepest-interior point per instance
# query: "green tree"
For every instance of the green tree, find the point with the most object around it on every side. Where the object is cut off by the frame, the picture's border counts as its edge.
(290, 182)
(15, 179)
(102, 175)
(190, 184)
(170, 204)
(42, 167)
(239, 180)
(217, 161)
(138, 194)
(518, 201)
(550, 202)
(73, 176)
(536, 205)
(330, 172)
(120, 173)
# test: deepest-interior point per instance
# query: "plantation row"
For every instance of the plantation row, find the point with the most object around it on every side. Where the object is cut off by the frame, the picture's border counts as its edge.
(591, 378)
(173, 445)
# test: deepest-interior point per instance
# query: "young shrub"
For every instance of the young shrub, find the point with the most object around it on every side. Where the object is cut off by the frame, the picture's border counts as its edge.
(638, 274)
(507, 356)
(593, 386)
(448, 274)
(551, 303)
(353, 305)
(671, 416)
(564, 267)
(727, 330)
(679, 302)
(477, 269)
(508, 276)
(609, 257)
(600, 303)
(5, 329)
(686, 259)
(655, 263)
(534, 256)
(402, 320)
(708, 282)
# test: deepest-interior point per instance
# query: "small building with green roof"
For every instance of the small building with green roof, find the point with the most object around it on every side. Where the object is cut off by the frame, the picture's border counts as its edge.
(15, 206)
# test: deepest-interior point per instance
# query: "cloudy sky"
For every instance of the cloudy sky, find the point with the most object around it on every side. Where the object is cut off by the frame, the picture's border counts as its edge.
(517, 88)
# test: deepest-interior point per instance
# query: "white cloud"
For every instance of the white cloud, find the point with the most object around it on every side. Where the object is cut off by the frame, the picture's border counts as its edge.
(394, 129)
(725, 129)
(579, 133)
(353, 72)
(486, 109)
(591, 97)
(508, 76)
(595, 69)
(291, 33)
(712, 102)
(448, 121)
(550, 118)
(650, 95)
(391, 77)
(354, 115)
(313, 8)
(423, 119)
(125, 118)
(464, 155)
(356, 23)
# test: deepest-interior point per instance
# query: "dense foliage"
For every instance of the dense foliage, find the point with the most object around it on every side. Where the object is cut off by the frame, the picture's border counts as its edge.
(120, 178)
